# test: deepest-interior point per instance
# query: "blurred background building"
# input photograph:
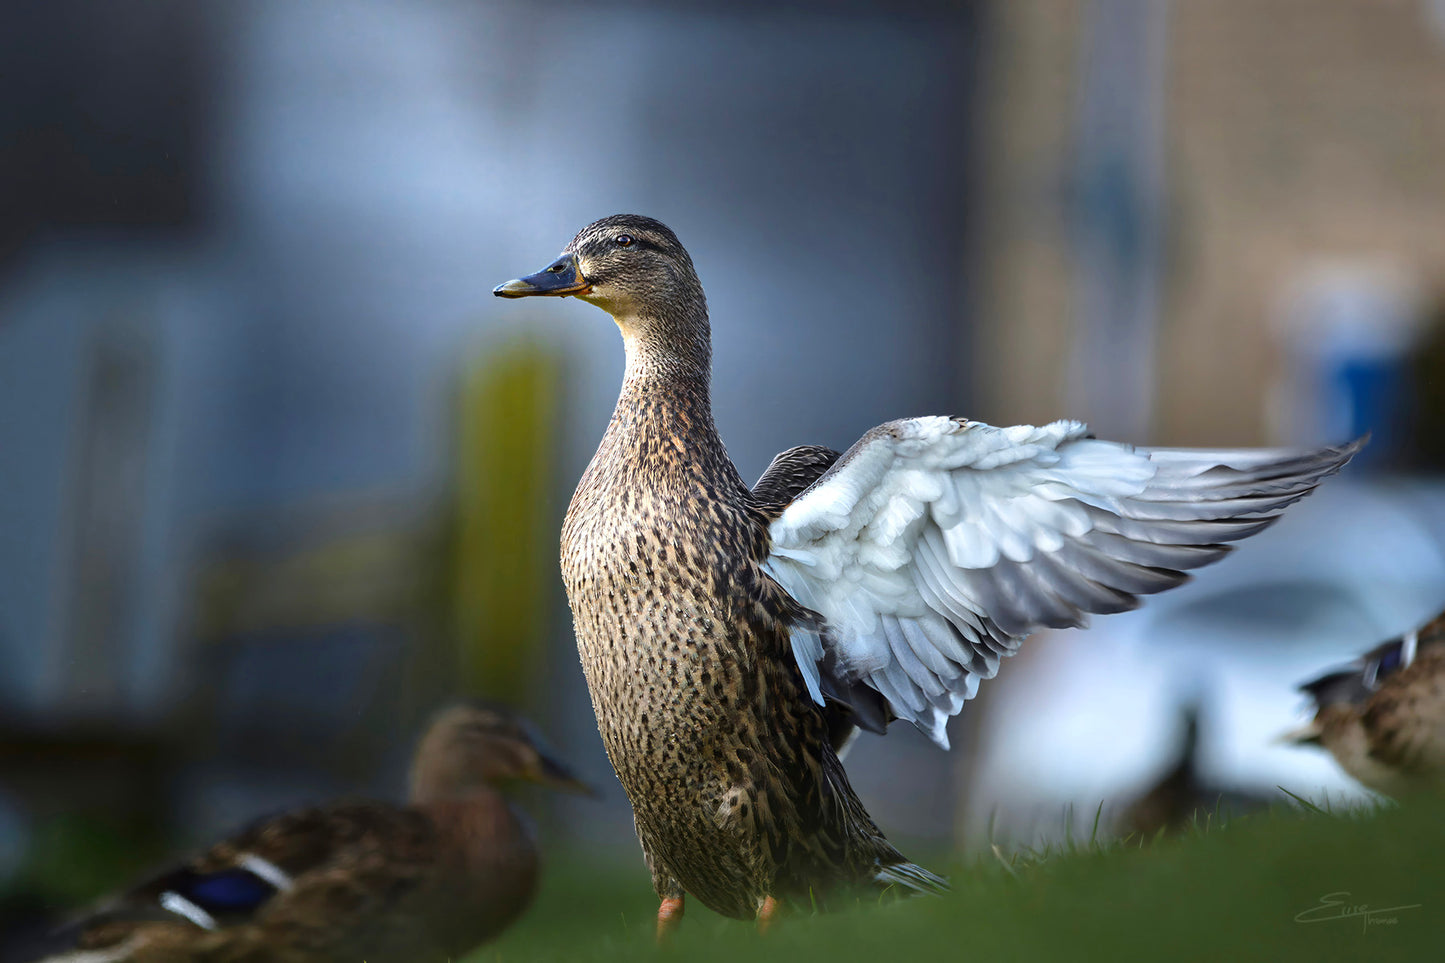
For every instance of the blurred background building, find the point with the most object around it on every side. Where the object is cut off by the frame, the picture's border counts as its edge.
(278, 476)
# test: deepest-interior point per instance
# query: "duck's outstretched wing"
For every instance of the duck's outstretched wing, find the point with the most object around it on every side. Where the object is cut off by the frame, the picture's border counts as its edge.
(934, 545)
(789, 475)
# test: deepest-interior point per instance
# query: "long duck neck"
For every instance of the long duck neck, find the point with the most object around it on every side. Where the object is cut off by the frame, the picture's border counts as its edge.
(663, 420)
(680, 375)
(669, 343)
(442, 779)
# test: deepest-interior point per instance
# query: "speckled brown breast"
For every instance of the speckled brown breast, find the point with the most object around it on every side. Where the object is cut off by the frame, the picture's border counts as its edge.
(700, 705)
(1404, 721)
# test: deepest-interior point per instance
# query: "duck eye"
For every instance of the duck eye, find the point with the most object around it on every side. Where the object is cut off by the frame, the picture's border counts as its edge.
(623, 240)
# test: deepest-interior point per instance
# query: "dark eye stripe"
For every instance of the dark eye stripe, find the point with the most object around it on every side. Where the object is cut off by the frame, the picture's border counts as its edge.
(639, 243)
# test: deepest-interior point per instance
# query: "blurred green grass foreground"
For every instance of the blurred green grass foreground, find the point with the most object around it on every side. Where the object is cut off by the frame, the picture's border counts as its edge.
(1283, 885)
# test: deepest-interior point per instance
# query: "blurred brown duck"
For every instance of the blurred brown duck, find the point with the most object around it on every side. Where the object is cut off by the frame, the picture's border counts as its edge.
(355, 881)
(734, 638)
(1383, 716)
(1185, 796)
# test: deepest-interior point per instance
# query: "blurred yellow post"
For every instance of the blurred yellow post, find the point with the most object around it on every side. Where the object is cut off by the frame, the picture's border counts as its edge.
(504, 555)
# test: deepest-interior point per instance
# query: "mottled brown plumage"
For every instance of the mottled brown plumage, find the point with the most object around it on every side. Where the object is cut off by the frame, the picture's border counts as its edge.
(355, 881)
(737, 792)
(733, 639)
(1383, 718)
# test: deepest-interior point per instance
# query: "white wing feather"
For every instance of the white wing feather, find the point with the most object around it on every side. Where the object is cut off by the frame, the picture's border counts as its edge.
(935, 545)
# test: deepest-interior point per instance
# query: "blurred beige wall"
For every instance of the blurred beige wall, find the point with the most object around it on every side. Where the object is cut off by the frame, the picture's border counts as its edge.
(1297, 133)
(1027, 102)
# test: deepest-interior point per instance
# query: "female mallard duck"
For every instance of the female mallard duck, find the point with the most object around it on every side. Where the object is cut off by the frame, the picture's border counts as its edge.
(355, 881)
(1383, 717)
(733, 638)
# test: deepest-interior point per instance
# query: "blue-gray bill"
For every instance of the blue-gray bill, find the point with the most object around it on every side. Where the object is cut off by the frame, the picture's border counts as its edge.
(559, 279)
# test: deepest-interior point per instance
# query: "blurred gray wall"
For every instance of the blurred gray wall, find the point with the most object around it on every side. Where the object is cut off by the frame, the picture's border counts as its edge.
(347, 182)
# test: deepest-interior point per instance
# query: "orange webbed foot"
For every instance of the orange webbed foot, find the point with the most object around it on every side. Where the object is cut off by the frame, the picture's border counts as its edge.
(768, 911)
(669, 917)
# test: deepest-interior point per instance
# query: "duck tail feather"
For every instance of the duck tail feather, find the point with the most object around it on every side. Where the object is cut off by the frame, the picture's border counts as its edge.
(912, 876)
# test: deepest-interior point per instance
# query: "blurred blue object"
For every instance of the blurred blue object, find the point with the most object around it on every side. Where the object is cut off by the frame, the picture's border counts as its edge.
(1377, 393)
(1350, 332)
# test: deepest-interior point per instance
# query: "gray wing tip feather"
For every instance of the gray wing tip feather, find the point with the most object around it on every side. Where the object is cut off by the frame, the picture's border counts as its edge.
(1308, 467)
(1351, 448)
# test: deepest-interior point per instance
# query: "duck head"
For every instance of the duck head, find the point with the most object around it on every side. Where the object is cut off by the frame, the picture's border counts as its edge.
(635, 269)
(1337, 697)
(473, 747)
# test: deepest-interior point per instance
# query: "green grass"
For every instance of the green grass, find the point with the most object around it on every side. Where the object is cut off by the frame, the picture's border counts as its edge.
(1216, 892)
